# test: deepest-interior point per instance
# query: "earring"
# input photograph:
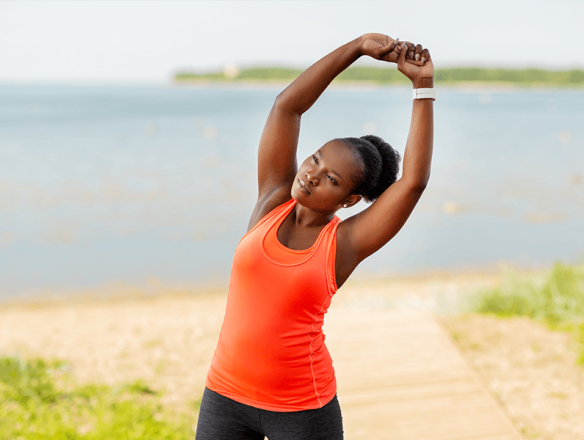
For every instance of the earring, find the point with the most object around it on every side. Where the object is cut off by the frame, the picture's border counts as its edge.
(344, 205)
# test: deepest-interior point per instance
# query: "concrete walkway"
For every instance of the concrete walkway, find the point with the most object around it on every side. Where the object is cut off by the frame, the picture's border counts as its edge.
(400, 377)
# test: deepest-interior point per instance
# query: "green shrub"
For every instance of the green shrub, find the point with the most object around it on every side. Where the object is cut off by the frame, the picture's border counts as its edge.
(563, 294)
(39, 400)
(556, 299)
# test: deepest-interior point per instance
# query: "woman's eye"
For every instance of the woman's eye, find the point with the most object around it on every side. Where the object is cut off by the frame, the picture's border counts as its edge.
(314, 157)
(332, 179)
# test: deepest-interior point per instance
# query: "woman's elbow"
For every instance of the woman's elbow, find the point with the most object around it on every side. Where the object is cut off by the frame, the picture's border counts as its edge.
(283, 102)
(418, 188)
(422, 184)
(418, 185)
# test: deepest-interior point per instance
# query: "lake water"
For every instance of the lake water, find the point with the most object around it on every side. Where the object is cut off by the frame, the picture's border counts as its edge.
(156, 183)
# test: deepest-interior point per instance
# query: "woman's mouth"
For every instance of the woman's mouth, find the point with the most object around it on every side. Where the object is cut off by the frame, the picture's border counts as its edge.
(303, 186)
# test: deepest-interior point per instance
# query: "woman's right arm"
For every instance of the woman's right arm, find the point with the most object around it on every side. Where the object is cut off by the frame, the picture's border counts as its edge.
(277, 165)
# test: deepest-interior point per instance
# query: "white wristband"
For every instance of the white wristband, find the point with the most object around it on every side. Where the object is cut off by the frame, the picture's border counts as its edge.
(424, 94)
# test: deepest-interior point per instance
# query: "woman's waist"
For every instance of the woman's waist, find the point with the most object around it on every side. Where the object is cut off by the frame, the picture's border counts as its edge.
(269, 367)
(278, 346)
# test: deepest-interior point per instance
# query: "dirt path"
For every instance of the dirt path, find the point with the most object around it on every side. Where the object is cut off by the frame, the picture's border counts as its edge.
(531, 370)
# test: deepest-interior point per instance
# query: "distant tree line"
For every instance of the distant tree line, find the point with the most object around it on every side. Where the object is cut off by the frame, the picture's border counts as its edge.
(525, 77)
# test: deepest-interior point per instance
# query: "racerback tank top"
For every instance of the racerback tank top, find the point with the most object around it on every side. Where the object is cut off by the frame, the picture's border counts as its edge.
(271, 352)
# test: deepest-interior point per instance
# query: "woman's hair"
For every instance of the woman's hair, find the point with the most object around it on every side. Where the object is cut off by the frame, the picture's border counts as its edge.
(378, 168)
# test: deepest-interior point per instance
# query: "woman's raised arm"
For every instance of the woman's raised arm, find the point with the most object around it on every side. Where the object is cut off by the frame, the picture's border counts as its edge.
(366, 232)
(277, 150)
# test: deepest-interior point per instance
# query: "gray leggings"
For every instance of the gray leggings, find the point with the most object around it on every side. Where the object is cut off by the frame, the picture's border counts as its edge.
(221, 418)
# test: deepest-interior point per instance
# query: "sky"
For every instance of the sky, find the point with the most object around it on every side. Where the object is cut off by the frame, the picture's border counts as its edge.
(148, 41)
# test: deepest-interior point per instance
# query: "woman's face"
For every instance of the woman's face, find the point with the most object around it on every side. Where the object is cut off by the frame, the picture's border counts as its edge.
(326, 178)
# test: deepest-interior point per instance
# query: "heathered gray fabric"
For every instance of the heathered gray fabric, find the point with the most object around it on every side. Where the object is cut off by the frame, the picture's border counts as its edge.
(221, 418)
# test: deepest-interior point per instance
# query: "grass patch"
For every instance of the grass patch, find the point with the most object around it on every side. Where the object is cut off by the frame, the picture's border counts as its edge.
(40, 400)
(555, 298)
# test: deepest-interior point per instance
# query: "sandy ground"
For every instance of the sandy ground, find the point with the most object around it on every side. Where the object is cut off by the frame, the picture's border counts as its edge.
(529, 369)
(168, 340)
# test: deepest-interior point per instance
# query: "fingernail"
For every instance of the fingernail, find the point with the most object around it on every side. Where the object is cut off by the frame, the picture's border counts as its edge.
(417, 57)
(423, 59)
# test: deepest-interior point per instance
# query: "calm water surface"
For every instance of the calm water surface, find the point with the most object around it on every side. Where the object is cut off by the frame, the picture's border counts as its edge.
(134, 184)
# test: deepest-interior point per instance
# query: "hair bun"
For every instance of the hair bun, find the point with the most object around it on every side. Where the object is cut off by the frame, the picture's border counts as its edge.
(390, 158)
(375, 140)
(379, 165)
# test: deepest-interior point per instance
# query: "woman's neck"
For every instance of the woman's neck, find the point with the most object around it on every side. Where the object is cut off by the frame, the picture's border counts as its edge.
(306, 217)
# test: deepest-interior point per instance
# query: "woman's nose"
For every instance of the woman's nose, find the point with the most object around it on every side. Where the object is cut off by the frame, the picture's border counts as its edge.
(312, 178)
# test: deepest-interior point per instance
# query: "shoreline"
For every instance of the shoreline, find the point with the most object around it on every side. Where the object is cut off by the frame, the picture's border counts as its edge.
(463, 86)
(151, 290)
(491, 86)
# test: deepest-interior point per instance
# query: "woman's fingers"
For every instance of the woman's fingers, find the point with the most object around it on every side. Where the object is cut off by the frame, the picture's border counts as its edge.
(400, 47)
(425, 55)
(384, 52)
(420, 55)
(396, 47)
(388, 49)
(412, 53)
(415, 53)
(418, 51)
(396, 43)
(409, 47)
(402, 54)
(405, 48)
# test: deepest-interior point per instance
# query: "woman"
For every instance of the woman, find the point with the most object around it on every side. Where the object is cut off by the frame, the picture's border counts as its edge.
(272, 374)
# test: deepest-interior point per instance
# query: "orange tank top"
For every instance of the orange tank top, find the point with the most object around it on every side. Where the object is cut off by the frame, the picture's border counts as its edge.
(271, 352)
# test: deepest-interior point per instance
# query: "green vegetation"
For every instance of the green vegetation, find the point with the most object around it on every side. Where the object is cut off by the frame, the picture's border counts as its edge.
(259, 74)
(380, 75)
(555, 298)
(39, 400)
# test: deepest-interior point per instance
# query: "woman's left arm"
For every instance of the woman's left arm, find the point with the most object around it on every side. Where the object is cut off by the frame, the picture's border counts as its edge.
(372, 228)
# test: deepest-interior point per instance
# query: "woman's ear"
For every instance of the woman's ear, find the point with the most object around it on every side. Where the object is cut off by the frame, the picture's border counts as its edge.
(351, 201)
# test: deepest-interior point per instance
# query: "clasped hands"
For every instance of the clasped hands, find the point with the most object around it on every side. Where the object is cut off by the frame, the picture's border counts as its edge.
(412, 60)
